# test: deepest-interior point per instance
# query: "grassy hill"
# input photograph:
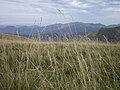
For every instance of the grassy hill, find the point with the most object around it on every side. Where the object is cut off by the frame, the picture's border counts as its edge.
(11, 37)
(59, 66)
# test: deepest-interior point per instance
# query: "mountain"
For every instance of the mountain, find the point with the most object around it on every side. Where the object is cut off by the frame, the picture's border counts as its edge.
(21, 30)
(114, 25)
(74, 28)
(58, 30)
(109, 34)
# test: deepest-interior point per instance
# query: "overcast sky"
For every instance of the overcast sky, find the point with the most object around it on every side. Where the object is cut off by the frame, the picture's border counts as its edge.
(59, 11)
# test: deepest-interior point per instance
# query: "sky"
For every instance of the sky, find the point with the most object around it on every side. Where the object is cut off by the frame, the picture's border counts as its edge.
(45, 12)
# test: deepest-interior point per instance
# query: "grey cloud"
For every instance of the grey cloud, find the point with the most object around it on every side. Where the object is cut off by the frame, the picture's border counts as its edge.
(77, 8)
(14, 1)
(114, 2)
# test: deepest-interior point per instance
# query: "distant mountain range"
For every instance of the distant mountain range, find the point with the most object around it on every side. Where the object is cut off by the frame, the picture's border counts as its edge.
(71, 28)
(54, 30)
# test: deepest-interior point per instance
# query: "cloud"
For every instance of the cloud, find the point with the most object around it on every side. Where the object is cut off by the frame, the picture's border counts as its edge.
(76, 8)
(95, 1)
(14, 1)
(78, 4)
(113, 9)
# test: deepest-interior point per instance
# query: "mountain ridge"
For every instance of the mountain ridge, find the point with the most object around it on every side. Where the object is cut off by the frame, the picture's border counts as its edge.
(55, 30)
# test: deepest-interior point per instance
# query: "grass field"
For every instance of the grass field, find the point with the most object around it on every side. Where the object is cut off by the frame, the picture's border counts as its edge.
(59, 66)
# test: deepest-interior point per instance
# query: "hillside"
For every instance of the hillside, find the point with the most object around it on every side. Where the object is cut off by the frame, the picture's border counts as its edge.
(12, 37)
(110, 34)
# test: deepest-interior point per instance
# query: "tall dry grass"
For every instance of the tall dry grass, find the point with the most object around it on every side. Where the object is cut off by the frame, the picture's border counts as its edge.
(59, 66)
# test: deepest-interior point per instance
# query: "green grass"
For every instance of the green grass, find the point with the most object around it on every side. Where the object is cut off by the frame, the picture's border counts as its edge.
(59, 66)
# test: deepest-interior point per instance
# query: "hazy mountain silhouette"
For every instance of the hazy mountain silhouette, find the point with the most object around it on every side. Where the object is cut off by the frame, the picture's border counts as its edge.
(71, 28)
(55, 30)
